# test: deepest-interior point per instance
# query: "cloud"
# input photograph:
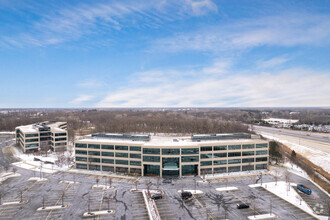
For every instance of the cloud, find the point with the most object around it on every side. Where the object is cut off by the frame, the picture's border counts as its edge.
(273, 62)
(81, 99)
(292, 87)
(61, 23)
(286, 30)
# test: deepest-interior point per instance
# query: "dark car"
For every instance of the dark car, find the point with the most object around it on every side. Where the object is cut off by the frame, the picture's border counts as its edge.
(167, 181)
(186, 195)
(242, 206)
(157, 196)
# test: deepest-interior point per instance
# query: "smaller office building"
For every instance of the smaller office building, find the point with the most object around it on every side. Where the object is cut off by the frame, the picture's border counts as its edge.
(42, 136)
(172, 156)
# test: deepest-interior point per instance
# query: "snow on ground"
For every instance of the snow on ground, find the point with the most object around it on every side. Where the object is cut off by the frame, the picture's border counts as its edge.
(7, 132)
(96, 213)
(68, 182)
(264, 216)
(226, 189)
(15, 203)
(192, 191)
(282, 190)
(4, 176)
(318, 157)
(47, 208)
(252, 172)
(28, 161)
(38, 179)
(102, 187)
(101, 173)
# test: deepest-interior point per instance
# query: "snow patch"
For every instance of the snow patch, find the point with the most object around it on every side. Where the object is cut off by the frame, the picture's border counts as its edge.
(226, 189)
(47, 208)
(264, 216)
(192, 191)
(38, 179)
(8, 175)
(95, 213)
(102, 187)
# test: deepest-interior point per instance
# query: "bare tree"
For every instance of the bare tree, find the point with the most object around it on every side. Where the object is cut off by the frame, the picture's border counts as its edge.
(6, 168)
(136, 184)
(110, 182)
(14, 170)
(158, 182)
(97, 180)
(148, 189)
(276, 176)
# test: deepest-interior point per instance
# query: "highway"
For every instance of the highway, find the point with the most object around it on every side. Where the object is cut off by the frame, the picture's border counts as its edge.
(312, 136)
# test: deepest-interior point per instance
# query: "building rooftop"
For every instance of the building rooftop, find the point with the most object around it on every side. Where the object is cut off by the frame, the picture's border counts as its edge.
(40, 125)
(167, 140)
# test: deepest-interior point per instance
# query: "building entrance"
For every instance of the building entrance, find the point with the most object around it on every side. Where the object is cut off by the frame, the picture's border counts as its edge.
(171, 166)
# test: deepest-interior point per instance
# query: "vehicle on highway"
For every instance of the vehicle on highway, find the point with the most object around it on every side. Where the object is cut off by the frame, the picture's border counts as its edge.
(157, 196)
(186, 195)
(242, 206)
(304, 189)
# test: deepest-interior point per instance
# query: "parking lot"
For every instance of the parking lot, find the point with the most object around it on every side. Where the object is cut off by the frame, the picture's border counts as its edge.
(139, 210)
(164, 208)
(277, 201)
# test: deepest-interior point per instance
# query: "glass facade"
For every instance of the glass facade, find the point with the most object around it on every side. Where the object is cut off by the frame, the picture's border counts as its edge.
(206, 163)
(234, 147)
(134, 148)
(94, 146)
(95, 153)
(151, 159)
(234, 161)
(119, 147)
(248, 146)
(124, 162)
(261, 152)
(171, 151)
(189, 151)
(81, 145)
(189, 159)
(122, 155)
(189, 170)
(220, 147)
(208, 148)
(151, 169)
(234, 154)
(111, 161)
(135, 163)
(261, 145)
(155, 151)
(219, 162)
(206, 156)
(135, 156)
(247, 153)
(170, 166)
(108, 154)
(107, 147)
(216, 155)
(84, 152)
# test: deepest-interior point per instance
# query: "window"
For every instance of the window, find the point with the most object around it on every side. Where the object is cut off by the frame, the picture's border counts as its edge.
(107, 168)
(32, 140)
(81, 152)
(190, 151)
(81, 166)
(96, 160)
(94, 146)
(206, 156)
(122, 169)
(261, 166)
(206, 163)
(111, 161)
(122, 155)
(60, 134)
(118, 147)
(170, 151)
(216, 155)
(81, 158)
(96, 153)
(248, 153)
(134, 148)
(135, 163)
(81, 145)
(31, 135)
(107, 147)
(94, 167)
(248, 146)
(261, 145)
(219, 162)
(248, 167)
(234, 169)
(124, 162)
(189, 159)
(107, 154)
(151, 158)
(208, 148)
(234, 147)
(220, 147)
(151, 151)
(261, 152)
(206, 171)
(31, 145)
(60, 139)
(260, 159)
(220, 170)
(234, 154)
(234, 161)
(135, 156)
(248, 160)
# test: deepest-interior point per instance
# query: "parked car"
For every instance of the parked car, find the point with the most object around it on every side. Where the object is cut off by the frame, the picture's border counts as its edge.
(304, 189)
(167, 181)
(157, 196)
(242, 206)
(186, 195)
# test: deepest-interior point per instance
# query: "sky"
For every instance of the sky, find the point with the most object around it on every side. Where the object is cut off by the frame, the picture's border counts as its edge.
(164, 53)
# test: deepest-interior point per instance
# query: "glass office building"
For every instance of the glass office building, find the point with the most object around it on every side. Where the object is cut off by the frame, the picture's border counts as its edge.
(172, 156)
